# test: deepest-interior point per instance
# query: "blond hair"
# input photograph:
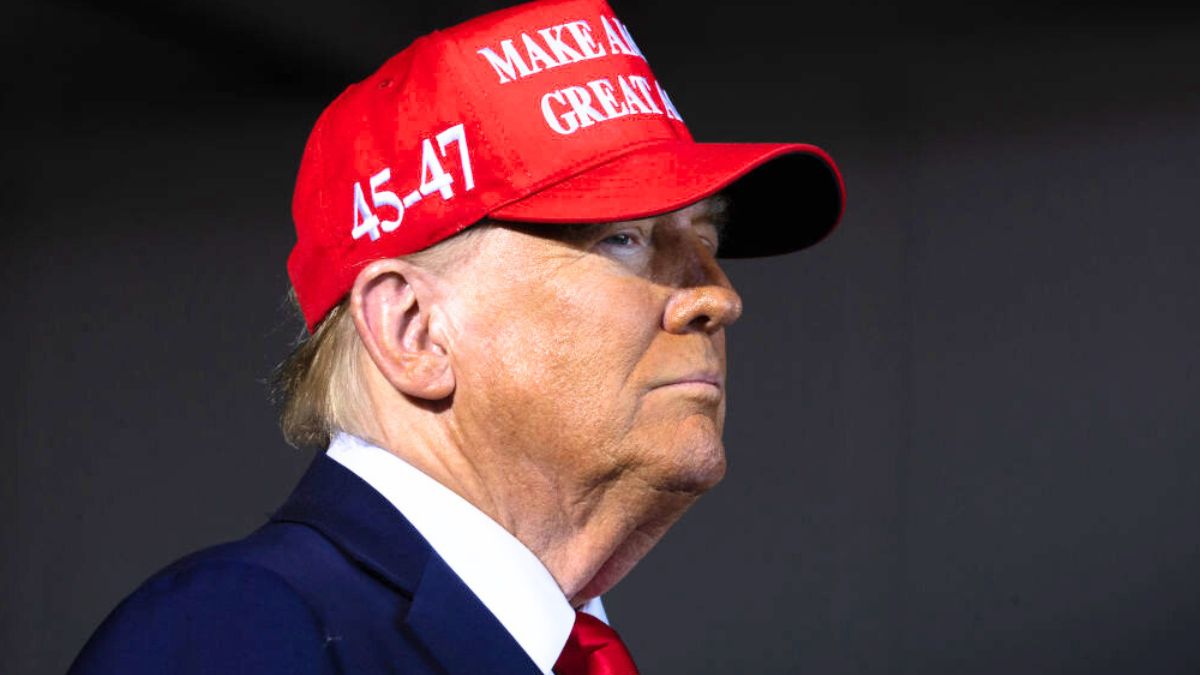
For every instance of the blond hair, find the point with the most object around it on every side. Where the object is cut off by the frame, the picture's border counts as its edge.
(318, 387)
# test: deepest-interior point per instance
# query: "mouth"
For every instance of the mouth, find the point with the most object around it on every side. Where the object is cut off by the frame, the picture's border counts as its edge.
(707, 381)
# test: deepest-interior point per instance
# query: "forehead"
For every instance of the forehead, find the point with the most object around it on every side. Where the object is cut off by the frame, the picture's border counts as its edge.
(712, 209)
(710, 214)
(708, 211)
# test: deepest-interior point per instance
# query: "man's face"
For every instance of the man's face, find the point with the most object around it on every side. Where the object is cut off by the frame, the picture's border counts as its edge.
(594, 353)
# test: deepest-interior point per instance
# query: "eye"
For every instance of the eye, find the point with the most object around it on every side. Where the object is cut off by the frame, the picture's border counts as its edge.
(709, 235)
(624, 242)
(620, 239)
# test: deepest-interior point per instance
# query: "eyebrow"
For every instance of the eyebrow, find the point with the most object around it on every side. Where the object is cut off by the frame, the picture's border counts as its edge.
(715, 213)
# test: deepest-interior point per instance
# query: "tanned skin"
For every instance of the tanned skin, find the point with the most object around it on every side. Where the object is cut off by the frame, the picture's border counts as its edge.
(569, 381)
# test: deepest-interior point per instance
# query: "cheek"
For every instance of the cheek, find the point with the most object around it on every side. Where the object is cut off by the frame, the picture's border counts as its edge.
(681, 438)
(598, 333)
(554, 361)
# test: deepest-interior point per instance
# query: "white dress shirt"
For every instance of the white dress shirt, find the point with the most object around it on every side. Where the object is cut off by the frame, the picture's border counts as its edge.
(505, 575)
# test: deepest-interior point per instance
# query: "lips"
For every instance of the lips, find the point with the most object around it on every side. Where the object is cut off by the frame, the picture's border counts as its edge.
(705, 378)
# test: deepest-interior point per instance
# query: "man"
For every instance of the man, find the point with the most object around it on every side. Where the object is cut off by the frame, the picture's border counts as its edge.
(507, 259)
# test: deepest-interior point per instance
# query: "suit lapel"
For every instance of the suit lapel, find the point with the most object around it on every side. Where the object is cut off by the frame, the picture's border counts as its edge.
(460, 632)
(351, 514)
(445, 616)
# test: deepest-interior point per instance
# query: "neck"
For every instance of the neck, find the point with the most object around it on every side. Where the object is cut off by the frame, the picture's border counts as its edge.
(588, 533)
(623, 524)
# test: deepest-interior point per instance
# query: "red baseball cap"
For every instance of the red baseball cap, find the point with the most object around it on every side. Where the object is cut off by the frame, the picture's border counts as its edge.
(544, 112)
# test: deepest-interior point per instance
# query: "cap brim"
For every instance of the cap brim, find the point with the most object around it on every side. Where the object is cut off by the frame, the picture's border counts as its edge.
(784, 197)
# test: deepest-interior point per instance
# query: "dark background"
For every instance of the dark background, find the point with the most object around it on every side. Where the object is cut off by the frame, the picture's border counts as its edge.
(963, 432)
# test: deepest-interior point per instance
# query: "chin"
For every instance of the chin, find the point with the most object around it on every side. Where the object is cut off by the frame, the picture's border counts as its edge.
(705, 472)
(697, 461)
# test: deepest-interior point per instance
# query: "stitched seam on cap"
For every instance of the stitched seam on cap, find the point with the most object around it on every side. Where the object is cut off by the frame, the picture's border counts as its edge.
(487, 97)
(572, 170)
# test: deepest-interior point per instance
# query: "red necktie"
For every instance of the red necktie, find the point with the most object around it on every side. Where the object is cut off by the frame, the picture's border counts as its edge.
(594, 649)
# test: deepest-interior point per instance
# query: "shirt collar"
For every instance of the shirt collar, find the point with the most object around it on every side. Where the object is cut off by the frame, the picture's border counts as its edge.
(505, 575)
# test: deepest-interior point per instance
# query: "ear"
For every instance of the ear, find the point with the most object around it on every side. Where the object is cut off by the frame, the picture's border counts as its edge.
(392, 303)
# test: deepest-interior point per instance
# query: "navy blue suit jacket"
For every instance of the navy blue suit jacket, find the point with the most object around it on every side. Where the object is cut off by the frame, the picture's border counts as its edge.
(336, 582)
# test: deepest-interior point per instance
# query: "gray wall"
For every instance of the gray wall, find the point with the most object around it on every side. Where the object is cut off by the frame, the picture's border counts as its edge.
(963, 432)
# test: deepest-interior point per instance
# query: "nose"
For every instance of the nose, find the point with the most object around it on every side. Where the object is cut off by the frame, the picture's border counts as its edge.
(707, 304)
(702, 308)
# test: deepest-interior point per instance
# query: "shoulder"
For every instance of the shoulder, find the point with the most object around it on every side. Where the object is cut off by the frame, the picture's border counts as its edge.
(237, 608)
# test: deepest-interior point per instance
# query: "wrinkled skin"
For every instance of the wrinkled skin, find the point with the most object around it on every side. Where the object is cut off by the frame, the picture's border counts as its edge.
(584, 373)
